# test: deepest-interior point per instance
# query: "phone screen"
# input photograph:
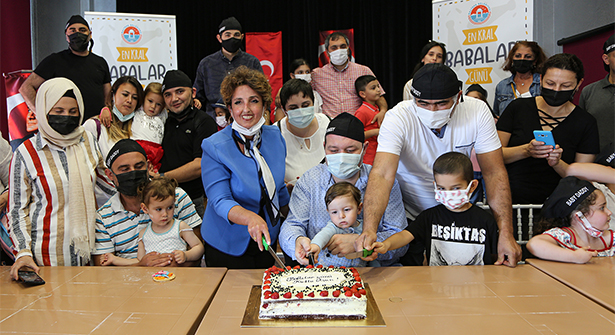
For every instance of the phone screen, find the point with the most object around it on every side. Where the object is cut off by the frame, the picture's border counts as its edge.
(30, 277)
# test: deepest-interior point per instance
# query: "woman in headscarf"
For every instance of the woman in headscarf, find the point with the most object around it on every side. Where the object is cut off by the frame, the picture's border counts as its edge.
(55, 182)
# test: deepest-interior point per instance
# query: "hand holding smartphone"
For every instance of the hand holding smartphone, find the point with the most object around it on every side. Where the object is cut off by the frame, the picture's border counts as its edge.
(30, 278)
(545, 136)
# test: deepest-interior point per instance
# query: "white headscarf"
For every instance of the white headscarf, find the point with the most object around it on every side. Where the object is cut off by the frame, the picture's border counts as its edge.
(81, 200)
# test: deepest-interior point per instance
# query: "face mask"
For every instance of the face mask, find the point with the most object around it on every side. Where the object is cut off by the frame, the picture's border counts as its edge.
(63, 124)
(232, 44)
(248, 132)
(339, 56)
(78, 41)
(587, 227)
(306, 76)
(522, 65)
(434, 119)
(128, 182)
(453, 199)
(343, 165)
(301, 117)
(120, 116)
(221, 121)
(180, 115)
(556, 98)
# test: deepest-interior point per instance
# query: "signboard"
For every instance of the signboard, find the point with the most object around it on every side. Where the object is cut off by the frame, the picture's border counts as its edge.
(139, 45)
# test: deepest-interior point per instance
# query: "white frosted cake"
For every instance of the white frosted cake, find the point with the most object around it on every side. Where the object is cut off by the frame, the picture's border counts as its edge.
(312, 293)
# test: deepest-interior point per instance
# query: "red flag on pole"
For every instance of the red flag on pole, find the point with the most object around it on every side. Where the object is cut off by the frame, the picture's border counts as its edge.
(267, 47)
(323, 57)
(21, 122)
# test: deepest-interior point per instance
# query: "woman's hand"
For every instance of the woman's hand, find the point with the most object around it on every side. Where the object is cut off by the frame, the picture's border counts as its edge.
(24, 261)
(538, 149)
(257, 228)
(555, 156)
(105, 117)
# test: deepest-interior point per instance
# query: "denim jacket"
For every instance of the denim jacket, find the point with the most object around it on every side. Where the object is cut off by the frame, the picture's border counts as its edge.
(504, 92)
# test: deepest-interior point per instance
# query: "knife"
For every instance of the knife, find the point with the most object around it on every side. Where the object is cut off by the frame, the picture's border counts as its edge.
(311, 259)
(277, 259)
(358, 254)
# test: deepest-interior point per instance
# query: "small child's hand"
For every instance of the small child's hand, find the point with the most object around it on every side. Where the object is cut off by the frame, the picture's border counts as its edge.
(105, 117)
(197, 104)
(179, 256)
(583, 255)
(302, 247)
(107, 259)
(315, 251)
(380, 248)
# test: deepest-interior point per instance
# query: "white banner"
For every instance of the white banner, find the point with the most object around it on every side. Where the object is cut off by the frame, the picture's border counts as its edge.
(479, 34)
(140, 45)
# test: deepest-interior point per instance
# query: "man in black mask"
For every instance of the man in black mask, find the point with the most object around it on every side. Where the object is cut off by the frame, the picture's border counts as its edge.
(88, 71)
(184, 130)
(120, 219)
(213, 68)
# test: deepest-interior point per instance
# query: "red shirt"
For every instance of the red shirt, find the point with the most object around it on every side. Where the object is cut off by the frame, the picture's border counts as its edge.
(366, 114)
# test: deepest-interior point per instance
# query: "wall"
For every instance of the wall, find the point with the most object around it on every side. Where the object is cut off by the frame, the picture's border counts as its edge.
(557, 19)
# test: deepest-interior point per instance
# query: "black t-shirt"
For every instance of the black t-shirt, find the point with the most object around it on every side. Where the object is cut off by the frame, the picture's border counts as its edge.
(182, 144)
(90, 73)
(456, 238)
(532, 180)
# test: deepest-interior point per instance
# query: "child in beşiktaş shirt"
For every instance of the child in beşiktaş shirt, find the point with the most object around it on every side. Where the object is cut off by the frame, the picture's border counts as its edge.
(454, 232)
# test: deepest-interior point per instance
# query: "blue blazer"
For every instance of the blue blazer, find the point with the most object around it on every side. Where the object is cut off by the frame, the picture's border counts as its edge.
(231, 179)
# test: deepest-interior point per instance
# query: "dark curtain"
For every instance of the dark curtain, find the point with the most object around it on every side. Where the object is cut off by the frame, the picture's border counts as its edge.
(388, 34)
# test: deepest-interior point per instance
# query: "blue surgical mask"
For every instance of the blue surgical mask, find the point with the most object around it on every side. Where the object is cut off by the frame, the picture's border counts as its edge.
(344, 165)
(122, 117)
(301, 117)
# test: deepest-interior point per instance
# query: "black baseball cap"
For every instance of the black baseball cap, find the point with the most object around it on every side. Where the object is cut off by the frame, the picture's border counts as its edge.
(609, 45)
(76, 19)
(346, 125)
(122, 147)
(566, 197)
(175, 78)
(606, 156)
(435, 81)
(229, 24)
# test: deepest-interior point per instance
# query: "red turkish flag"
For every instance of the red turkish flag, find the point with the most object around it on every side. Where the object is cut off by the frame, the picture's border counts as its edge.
(323, 57)
(267, 47)
(21, 122)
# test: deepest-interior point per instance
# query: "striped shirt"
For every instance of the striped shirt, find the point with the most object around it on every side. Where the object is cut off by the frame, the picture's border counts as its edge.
(38, 199)
(337, 88)
(117, 230)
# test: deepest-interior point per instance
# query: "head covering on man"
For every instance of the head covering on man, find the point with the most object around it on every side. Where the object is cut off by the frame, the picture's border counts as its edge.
(230, 23)
(346, 125)
(435, 81)
(175, 78)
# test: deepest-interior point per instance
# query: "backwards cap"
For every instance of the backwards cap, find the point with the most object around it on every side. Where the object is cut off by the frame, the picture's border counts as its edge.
(123, 146)
(609, 45)
(566, 197)
(435, 81)
(346, 125)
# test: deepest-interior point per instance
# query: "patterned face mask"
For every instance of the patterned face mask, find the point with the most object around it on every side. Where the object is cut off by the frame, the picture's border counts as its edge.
(453, 199)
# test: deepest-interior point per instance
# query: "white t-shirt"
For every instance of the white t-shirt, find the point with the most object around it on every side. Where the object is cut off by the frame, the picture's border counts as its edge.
(104, 142)
(403, 134)
(148, 128)
(300, 158)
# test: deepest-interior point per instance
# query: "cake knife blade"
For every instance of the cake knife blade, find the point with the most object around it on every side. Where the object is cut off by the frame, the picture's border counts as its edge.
(353, 255)
(277, 259)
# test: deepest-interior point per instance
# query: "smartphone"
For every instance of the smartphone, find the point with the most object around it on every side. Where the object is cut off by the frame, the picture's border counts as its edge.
(544, 136)
(30, 278)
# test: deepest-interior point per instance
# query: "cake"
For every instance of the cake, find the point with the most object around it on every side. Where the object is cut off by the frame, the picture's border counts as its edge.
(312, 293)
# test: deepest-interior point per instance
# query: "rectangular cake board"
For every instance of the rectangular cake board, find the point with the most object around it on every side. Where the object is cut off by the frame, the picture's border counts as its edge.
(250, 317)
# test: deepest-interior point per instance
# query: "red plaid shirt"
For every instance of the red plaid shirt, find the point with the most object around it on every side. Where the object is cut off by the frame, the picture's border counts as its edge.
(337, 88)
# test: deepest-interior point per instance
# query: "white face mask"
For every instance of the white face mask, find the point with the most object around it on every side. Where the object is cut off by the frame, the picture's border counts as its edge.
(434, 119)
(453, 199)
(344, 165)
(339, 56)
(587, 227)
(301, 117)
(221, 121)
(306, 76)
(249, 132)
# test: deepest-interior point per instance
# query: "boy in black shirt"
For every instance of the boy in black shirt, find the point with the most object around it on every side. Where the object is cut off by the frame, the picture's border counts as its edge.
(454, 232)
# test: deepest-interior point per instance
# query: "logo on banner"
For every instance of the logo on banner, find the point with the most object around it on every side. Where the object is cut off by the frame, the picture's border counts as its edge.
(131, 34)
(479, 13)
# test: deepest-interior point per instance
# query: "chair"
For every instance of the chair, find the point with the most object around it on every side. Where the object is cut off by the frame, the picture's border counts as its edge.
(525, 220)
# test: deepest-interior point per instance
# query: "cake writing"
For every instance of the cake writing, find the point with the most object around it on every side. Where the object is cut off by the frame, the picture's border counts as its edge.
(316, 279)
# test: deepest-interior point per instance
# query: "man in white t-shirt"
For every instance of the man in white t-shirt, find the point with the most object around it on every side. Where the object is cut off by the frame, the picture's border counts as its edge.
(414, 133)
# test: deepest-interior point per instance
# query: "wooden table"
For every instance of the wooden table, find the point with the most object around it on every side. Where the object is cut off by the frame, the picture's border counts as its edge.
(595, 280)
(107, 300)
(439, 300)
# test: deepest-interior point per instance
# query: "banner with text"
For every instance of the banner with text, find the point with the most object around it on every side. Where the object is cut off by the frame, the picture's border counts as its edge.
(267, 47)
(139, 45)
(479, 34)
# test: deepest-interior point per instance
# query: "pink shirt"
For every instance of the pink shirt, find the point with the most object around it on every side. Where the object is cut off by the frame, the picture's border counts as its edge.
(337, 88)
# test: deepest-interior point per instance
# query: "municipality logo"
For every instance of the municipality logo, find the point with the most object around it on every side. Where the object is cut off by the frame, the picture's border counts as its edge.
(131, 34)
(479, 13)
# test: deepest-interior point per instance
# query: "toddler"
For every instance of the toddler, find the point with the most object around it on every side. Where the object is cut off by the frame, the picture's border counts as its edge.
(576, 221)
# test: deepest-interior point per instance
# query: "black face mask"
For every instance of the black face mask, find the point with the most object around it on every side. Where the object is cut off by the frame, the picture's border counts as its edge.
(232, 44)
(129, 182)
(78, 41)
(522, 65)
(556, 98)
(63, 124)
